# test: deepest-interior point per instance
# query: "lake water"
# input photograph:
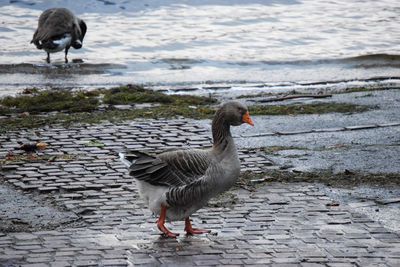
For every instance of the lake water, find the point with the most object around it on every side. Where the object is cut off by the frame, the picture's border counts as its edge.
(202, 46)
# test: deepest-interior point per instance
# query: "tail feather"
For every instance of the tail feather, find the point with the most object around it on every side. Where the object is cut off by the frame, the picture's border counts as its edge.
(131, 157)
(123, 159)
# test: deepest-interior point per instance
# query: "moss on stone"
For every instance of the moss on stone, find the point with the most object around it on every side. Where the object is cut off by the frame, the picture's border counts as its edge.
(363, 89)
(48, 101)
(86, 101)
(313, 108)
(34, 158)
(344, 180)
(273, 149)
(133, 94)
(39, 108)
(31, 110)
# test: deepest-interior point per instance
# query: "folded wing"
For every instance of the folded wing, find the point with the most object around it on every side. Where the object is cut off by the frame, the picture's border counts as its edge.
(172, 169)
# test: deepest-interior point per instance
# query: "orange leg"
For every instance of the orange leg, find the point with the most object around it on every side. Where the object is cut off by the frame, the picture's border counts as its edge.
(192, 231)
(161, 221)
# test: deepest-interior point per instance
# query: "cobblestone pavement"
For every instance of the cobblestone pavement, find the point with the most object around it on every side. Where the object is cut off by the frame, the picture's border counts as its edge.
(278, 224)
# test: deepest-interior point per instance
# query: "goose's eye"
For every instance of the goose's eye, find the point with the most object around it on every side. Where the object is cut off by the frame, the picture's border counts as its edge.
(240, 110)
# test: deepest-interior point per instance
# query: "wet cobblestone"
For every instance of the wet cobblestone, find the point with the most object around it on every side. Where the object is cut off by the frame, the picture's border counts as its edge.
(278, 224)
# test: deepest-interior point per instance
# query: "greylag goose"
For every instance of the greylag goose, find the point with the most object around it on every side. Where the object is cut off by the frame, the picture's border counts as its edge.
(58, 29)
(175, 184)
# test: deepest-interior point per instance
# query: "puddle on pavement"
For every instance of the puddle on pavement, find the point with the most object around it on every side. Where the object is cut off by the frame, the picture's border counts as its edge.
(22, 212)
(379, 204)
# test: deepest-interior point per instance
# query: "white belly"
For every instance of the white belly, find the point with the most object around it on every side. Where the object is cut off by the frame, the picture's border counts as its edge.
(154, 197)
(61, 44)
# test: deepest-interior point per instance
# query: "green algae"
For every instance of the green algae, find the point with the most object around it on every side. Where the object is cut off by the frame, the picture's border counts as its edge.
(273, 149)
(363, 89)
(312, 108)
(47, 107)
(87, 101)
(38, 108)
(347, 179)
(133, 94)
(48, 101)
(40, 157)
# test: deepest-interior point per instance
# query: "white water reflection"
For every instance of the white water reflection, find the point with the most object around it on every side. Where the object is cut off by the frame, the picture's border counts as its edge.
(181, 43)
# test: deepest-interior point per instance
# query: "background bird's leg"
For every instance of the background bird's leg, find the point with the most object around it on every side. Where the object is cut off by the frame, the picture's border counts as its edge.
(48, 57)
(191, 231)
(161, 221)
(66, 53)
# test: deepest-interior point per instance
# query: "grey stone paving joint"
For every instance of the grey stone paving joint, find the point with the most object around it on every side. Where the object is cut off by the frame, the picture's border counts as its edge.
(278, 224)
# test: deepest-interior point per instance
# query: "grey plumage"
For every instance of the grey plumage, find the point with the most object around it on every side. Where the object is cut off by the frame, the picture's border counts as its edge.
(58, 29)
(180, 182)
(198, 191)
(173, 168)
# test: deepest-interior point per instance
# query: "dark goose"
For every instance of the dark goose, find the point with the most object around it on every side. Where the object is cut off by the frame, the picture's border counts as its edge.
(59, 29)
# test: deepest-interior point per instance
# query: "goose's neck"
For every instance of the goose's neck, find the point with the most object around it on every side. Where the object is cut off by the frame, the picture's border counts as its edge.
(221, 133)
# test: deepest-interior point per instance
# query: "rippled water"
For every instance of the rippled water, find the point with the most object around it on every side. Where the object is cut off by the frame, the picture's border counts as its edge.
(253, 45)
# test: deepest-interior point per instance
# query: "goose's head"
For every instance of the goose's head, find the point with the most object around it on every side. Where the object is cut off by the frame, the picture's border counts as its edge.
(235, 113)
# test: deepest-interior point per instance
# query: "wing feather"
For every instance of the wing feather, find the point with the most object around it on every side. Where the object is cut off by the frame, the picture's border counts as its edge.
(172, 169)
(198, 191)
(54, 23)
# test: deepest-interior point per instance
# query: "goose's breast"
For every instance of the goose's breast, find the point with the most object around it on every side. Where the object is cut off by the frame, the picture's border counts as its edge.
(230, 173)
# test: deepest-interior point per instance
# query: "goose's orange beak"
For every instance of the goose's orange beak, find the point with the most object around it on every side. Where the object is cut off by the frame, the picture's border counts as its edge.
(246, 118)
